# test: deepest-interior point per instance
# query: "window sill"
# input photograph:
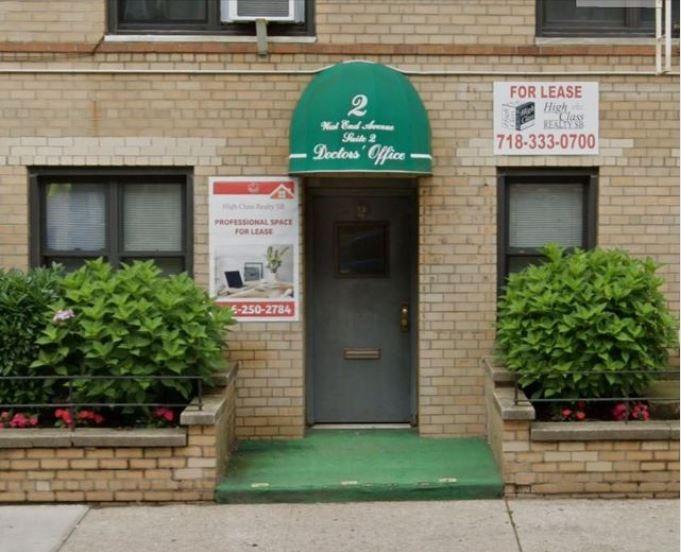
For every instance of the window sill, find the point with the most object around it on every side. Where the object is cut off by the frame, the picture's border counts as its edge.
(174, 38)
(597, 40)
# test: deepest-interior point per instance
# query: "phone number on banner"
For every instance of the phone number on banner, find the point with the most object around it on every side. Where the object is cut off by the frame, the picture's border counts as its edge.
(264, 309)
(566, 141)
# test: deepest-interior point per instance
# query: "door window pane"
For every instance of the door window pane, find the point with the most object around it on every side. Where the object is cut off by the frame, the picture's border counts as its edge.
(152, 217)
(543, 213)
(163, 11)
(75, 217)
(362, 249)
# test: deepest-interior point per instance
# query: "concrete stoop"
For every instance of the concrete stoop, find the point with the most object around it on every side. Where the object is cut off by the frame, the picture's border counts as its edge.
(360, 465)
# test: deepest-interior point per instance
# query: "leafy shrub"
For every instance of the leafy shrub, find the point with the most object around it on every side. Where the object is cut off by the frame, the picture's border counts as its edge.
(24, 302)
(595, 314)
(132, 322)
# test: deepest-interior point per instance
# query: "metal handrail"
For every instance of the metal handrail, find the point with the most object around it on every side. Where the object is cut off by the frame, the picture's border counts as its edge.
(627, 400)
(71, 405)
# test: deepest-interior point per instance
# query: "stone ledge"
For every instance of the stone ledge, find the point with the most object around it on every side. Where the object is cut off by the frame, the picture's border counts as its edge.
(213, 404)
(657, 430)
(498, 374)
(504, 403)
(93, 437)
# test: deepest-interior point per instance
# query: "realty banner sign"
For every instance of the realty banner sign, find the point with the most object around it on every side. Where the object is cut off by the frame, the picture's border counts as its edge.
(546, 118)
(253, 243)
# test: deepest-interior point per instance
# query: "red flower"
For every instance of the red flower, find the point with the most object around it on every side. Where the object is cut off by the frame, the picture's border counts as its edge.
(566, 413)
(164, 413)
(580, 415)
(64, 416)
(581, 405)
(640, 412)
(619, 411)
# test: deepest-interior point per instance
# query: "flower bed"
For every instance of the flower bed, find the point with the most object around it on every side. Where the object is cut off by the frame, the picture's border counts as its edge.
(122, 465)
(114, 348)
(604, 459)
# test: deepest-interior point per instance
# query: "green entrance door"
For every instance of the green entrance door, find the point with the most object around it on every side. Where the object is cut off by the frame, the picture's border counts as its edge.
(360, 308)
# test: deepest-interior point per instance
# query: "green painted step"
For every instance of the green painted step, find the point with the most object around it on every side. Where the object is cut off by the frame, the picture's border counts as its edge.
(357, 465)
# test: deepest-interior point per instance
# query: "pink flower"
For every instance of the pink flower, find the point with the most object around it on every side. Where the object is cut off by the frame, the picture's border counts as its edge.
(164, 413)
(566, 413)
(619, 411)
(640, 412)
(580, 415)
(19, 421)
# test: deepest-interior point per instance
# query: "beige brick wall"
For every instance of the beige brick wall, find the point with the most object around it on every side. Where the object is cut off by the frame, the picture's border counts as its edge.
(237, 124)
(604, 468)
(122, 474)
(337, 21)
(600, 468)
(111, 474)
(433, 22)
(52, 20)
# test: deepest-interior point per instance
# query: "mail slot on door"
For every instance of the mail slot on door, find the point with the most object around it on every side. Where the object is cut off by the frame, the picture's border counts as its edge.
(361, 353)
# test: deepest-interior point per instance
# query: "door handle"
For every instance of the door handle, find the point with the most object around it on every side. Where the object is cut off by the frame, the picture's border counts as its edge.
(404, 317)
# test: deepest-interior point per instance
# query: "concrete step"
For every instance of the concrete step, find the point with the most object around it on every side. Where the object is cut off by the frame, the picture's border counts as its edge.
(360, 465)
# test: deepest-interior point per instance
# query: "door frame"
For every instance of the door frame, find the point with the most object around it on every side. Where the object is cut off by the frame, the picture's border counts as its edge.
(359, 186)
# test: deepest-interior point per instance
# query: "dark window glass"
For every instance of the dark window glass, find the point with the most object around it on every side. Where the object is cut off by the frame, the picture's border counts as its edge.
(168, 266)
(69, 263)
(119, 218)
(163, 11)
(362, 249)
(208, 16)
(540, 207)
(575, 18)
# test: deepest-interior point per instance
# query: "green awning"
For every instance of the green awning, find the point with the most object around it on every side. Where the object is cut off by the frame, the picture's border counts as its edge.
(360, 117)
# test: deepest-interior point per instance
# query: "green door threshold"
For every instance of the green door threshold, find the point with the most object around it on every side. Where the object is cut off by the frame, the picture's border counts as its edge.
(360, 465)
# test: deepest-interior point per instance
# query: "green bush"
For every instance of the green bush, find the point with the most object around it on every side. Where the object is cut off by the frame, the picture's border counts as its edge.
(133, 322)
(24, 302)
(575, 325)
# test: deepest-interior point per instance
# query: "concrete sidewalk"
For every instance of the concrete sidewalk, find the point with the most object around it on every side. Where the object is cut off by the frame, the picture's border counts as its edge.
(482, 526)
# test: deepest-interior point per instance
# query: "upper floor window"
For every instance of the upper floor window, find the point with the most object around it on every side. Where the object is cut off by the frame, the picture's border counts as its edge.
(598, 18)
(231, 17)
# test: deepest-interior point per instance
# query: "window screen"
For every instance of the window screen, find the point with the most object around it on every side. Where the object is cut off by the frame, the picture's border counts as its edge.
(75, 217)
(152, 217)
(541, 213)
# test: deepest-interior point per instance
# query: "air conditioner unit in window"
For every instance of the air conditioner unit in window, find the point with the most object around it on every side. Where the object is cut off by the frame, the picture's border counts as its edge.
(270, 10)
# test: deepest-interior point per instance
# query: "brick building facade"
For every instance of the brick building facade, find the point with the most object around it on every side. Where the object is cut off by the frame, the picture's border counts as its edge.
(81, 94)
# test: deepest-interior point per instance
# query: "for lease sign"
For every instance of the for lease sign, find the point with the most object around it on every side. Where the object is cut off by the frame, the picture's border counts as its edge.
(546, 118)
(253, 242)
